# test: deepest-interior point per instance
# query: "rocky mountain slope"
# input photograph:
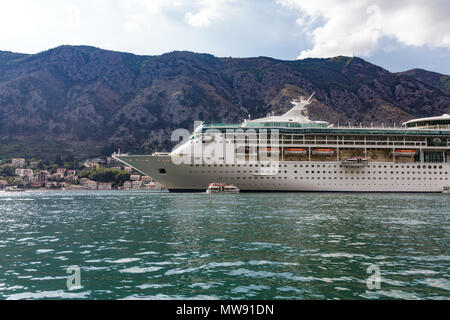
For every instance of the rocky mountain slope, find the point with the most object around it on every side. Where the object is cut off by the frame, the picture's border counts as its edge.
(434, 79)
(88, 101)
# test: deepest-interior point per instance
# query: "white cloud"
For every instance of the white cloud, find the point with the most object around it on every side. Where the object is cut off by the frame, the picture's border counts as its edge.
(203, 18)
(210, 10)
(196, 13)
(151, 6)
(74, 17)
(357, 26)
(132, 26)
(398, 34)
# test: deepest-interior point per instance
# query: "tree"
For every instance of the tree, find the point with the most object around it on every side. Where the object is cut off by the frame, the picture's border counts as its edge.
(42, 165)
(84, 174)
(7, 171)
(103, 175)
(117, 177)
(58, 160)
(121, 177)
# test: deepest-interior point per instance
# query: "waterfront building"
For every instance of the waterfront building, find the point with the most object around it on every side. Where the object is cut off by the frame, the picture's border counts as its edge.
(127, 185)
(57, 176)
(71, 179)
(18, 162)
(34, 164)
(83, 181)
(42, 176)
(104, 186)
(90, 185)
(71, 172)
(61, 171)
(23, 172)
(146, 179)
(51, 184)
(136, 184)
(3, 183)
(26, 180)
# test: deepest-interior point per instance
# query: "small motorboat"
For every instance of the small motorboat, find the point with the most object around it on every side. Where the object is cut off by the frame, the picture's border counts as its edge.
(221, 188)
(446, 190)
(14, 189)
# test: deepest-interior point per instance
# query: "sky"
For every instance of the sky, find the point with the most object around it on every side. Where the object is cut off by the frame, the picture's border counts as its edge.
(396, 35)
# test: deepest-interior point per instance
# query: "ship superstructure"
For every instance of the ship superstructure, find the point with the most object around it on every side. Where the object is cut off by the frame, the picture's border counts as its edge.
(293, 153)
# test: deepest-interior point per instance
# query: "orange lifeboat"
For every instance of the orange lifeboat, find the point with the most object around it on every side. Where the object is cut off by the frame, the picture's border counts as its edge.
(404, 152)
(269, 149)
(295, 151)
(323, 151)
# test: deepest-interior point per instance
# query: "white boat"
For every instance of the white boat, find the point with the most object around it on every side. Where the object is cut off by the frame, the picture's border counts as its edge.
(446, 190)
(14, 189)
(221, 188)
(355, 162)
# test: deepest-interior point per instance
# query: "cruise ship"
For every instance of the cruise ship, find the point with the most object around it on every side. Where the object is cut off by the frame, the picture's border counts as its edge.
(291, 153)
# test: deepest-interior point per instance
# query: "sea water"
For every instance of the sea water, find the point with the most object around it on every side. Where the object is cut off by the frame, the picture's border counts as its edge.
(153, 245)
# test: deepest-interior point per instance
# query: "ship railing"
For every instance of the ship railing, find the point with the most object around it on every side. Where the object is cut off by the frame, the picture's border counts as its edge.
(382, 127)
(340, 143)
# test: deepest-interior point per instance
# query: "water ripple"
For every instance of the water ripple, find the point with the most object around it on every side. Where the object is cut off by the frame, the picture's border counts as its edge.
(141, 245)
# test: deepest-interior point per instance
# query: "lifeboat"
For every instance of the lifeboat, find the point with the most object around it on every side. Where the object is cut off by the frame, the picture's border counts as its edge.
(355, 162)
(265, 150)
(295, 151)
(404, 152)
(323, 152)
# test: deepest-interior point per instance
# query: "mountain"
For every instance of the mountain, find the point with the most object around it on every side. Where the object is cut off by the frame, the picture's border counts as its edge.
(434, 79)
(88, 101)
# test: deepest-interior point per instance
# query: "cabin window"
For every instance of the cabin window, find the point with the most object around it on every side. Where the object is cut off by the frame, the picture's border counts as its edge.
(162, 171)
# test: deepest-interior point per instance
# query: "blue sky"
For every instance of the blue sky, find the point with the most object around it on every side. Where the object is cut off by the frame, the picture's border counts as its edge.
(397, 35)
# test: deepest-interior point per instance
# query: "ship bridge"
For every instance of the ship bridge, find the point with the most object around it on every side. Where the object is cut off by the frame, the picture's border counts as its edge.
(442, 122)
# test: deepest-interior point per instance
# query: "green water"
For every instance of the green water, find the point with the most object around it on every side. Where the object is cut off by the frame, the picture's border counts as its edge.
(142, 245)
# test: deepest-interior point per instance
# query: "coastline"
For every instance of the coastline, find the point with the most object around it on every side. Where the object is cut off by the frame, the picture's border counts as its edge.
(62, 189)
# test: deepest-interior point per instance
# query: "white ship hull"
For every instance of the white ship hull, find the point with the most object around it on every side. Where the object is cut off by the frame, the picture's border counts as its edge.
(292, 176)
(326, 162)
